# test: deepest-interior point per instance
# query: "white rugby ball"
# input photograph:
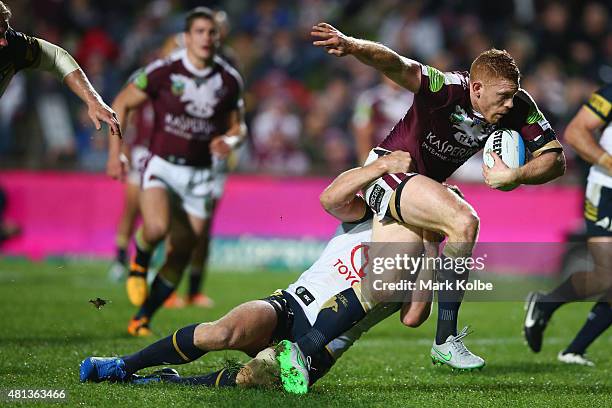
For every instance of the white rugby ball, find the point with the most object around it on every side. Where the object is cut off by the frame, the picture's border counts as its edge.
(509, 146)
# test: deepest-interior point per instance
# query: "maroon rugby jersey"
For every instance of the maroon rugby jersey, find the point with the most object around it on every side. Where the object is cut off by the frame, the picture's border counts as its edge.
(441, 131)
(379, 105)
(143, 122)
(192, 106)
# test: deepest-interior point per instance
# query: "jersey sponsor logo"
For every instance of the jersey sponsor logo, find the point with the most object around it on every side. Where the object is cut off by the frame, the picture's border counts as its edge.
(364, 257)
(436, 79)
(376, 197)
(188, 127)
(201, 96)
(446, 151)
(359, 256)
(470, 132)
(600, 105)
(304, 295)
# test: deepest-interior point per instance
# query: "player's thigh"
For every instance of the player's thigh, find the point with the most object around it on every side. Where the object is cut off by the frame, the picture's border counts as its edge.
(155, 207)
(132, 198)
(247, 327)
(390, 240)
(601, 250)
(198, 224)
(427, 204)
(181, 237)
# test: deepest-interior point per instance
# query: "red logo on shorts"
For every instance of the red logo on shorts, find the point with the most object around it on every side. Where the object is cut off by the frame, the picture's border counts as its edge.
(357, 258)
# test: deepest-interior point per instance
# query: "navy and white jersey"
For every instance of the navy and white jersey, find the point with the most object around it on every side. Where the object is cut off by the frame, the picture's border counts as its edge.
(600, 103)
(22, 51)
(339, 267)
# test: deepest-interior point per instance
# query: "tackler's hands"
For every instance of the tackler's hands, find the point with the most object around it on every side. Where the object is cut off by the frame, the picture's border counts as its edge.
(334, 41)
(395, 162)
(98, 112)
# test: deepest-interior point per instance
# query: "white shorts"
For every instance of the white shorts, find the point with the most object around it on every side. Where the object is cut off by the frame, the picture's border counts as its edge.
(192, 185)
(378, 193)
(138, 162)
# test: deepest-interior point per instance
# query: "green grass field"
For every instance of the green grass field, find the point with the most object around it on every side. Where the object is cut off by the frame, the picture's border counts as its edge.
(48, 327)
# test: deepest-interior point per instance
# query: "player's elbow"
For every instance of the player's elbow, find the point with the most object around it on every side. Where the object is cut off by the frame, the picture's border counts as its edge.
(416, 316)
(326, 200)
(559, 164)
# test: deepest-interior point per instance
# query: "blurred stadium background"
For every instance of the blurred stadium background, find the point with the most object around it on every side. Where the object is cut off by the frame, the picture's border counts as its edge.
(302, 113)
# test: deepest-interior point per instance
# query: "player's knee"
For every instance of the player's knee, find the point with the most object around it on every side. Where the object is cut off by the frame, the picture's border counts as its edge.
(415, 318)
(465, 226)
(215, 337)
(155, 231)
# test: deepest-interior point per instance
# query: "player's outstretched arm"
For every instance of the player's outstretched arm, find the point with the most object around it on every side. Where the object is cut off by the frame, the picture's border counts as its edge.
(404, 71)
(340, 198)
(579, 135)
(128, 99)
(57, 60)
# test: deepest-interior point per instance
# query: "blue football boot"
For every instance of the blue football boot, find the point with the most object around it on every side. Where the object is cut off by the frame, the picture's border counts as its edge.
(99, 369)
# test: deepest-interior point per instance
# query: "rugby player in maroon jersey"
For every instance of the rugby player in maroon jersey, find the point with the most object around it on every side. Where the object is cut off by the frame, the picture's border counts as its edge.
(376, 112)
(197, 100)
(447, 121)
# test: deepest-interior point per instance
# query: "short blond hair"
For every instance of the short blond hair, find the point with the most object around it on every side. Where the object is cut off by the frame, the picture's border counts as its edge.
(494, 64)
(5, 12)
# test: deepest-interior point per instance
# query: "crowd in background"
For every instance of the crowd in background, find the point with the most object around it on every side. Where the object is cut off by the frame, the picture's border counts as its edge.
(300, 101)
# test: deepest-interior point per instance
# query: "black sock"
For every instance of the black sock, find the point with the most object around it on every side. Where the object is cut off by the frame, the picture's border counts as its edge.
(141, 260)
(121, 256)
(562, 294)
(449, 299)
(175, 349)
(221, 378)
(195, 280)
(161, 290)
(600, 318)
(336, 316)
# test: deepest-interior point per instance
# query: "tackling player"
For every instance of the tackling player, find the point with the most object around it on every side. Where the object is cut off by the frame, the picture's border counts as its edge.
(447, 121)
(593, 117)
(197, 99)
(253, 326)
(20, 51)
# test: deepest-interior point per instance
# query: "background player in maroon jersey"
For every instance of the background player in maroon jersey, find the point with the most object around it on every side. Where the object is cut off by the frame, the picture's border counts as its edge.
(19, 51)
(376, 112)
(197, 98)
(135, 147)
(448, 121)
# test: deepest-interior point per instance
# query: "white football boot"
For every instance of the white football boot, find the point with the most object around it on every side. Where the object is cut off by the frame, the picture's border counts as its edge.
(571, 358)
(453, 353)
(263, 370)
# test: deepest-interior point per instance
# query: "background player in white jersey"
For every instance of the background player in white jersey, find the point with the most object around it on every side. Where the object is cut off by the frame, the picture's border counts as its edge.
(447, 121)
(197, 99)
(20, 51)
(255, 325)
(594, 117)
